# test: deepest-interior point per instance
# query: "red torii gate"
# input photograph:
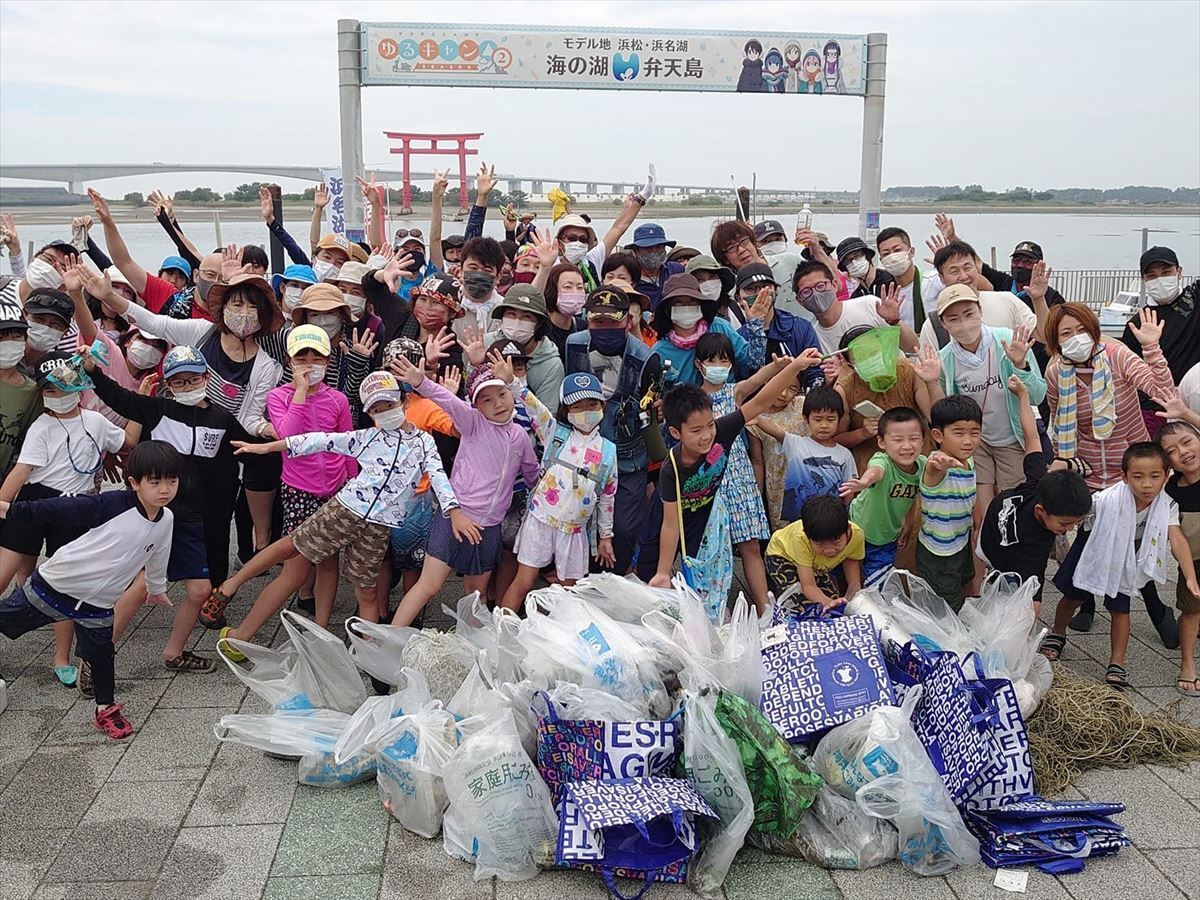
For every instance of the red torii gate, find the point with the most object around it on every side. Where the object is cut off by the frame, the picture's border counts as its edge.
(462, 151)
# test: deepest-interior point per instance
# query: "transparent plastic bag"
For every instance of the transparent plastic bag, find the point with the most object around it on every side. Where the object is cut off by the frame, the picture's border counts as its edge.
(324, 770)
(571, 701)
(310, 735)
(340, 684)
(278, 676)
(500, 813)
(411, 754)
(444, 658)
(626, 599)
(835, 834)
(1001, 622)
(905, 608)
(362, 731)
(492, 632)
(377, 648)
(712, 763)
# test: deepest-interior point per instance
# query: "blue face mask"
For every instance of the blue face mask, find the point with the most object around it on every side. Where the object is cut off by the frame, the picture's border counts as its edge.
(608, 341)
(717, 374)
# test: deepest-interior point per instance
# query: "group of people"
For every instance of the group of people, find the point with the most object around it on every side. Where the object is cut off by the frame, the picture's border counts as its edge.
(394, 412)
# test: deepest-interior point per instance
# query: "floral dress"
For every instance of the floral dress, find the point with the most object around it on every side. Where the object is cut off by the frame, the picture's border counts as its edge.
(739, 490)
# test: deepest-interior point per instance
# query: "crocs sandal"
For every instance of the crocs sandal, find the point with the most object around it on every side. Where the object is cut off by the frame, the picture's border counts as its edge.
(1053, 646)
(1194, 692)
(111, 720)
(188, 661)
(1117, 678)
(67, 675)
(212, 613)
(84, 682)
(226, 649)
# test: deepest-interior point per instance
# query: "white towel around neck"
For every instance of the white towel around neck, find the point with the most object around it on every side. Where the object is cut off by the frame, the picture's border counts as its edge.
(1108, 565)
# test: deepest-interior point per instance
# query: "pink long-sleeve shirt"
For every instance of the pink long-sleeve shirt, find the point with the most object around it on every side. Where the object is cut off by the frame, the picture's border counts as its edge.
(324, 410)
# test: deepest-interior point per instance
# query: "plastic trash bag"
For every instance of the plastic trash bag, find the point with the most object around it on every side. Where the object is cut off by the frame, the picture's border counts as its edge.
(341, 686)
(835, 834)
(444, 658)
(411, 754)
(626, 599)
(500, 814)
(911, 611)
(571, 701)
(362, 731)
(278, 676)
(310, 735)
(492, 632)
(712, 763)
(322, 769)
(376, 648)
(1001, 622)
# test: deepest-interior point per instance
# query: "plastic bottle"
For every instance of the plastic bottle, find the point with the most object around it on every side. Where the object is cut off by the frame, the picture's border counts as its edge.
(804, 219)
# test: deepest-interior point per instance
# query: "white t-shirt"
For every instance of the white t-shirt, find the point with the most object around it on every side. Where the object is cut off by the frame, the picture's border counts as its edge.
(906, 303)
(982, 384)
(998, 309)
(1189, 388)
(66, 453)
(859, 311)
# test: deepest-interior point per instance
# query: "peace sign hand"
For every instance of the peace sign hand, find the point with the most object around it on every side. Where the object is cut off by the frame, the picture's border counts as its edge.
(485, 180)
(441, 181)
(1151, 329)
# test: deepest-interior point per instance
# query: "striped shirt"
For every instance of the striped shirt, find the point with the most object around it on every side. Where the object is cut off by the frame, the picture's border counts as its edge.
(946, 511)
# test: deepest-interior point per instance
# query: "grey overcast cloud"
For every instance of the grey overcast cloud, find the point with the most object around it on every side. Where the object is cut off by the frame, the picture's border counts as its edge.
(998, 93)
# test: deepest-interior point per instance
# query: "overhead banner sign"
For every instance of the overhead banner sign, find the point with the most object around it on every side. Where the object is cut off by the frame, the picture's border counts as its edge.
(611, 59)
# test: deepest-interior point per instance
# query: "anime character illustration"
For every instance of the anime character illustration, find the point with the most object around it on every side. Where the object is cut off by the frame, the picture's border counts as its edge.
(791, 58)
(833, 68)
(809, 80)
(750, 81)
(773, 75)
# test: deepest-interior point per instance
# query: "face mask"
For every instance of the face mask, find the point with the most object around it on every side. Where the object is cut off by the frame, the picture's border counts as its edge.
(479, 285)
(711, 289)
(775, 248)
(526, 278)
(896, 264)
(389, 420)
(1163, 290)
(330, 323)
(574, 251)
(608, 341)
(858, 267)
(291, 298)
(324, 270)
(143, 356)
(652, 260)
(819, 302)
(1021, 275)
(357, 304)
(417, 262)
(11, 353)
(586, 420)
(203, 286)
(189, 398)
(316, 374)
(685, 316)
(571, 303)
(242, 324)
(717, 374)
(40, 274)
(42, 337)
(61, 405)
(1078, 347)
(517, 330)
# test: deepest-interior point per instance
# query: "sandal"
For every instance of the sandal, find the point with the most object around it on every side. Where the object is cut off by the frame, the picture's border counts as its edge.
(67, 675)
(212, 613)
(1053, 646)
(84, 682)
(111, 720)
(187, 661)
(226, 649)
(1117, 678)
(1195, 687)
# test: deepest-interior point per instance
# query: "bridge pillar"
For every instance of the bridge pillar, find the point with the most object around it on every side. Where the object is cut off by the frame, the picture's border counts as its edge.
(618, 189)
(537, 188)
(514, 185)
(591, 187)
(76, 187)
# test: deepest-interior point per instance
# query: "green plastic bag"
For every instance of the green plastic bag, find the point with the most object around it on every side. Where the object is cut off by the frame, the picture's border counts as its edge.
(874, 356)
(780, 782)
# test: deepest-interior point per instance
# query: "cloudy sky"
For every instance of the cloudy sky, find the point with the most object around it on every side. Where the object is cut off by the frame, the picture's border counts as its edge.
(1096, 94)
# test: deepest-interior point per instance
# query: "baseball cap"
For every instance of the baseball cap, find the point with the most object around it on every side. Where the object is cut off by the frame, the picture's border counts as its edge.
(341, 242)
(379, 387)
(956, 293)
(607, 300)
(64, 246)
(320, 298)
(481, 378)
(769, 228)
(308, 337)
(56, 367)
(451, 241)
(649, 235)
(11, 318)
(52, 302)
(303, 274)
(404, 347)
(351, 272)
(508, 349)
(183, 359)
(849, 247)
(442, 288)
(179, 263)
(1028, 248)
(1149, 258)
(581, 386)
(755, 274)
(523, 297)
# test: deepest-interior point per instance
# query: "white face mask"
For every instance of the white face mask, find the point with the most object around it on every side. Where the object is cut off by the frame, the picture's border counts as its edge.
(316, 374)
(574, 251)
(775, 248)
(324, 270)
(1163, 289)
(188, 398)
(42, 337)
(60, 405)
(356, 303)
(1078, 347)
(330, 323)
(392, 418)
(291, 298)
(11, 353)
(143, 356)
(40, 274)
(896, 264)
(711, 288)
(685, 316)
(586, 420)
(858, 267)
(517, 330)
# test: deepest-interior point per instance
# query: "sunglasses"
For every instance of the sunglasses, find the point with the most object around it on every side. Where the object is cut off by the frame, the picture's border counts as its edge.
(403, 233)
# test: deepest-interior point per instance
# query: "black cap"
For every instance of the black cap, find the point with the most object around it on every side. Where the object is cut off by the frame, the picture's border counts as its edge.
(850, 246)
(769, 228)
(508, 349)
(1030, 249)
(607, 298)
(11, 318)
(52, 363)
(755, 274)
(56, 303)
(1152, 256)
(454, 240)
(64, 246)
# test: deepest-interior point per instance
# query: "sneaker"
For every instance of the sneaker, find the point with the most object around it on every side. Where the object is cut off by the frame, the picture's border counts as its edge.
(1168, 630)
(84, 681)
(111, 720)
(212, 612)
(306, 605)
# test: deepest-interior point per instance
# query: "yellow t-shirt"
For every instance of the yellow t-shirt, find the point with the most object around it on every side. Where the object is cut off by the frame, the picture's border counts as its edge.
(791, 543)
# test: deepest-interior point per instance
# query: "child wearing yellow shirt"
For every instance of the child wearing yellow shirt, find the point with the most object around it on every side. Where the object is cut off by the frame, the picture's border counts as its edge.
(822, 553)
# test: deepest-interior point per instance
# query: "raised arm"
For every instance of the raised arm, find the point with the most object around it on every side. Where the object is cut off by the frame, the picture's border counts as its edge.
(1150, 374)
(631, 209)
(320, 201)
(73, 280)
(440, 183)
(266, 208)
(746, 387)
(373, 194)
(763, 400)
(165, 205)
(484, 183)
(116, 244)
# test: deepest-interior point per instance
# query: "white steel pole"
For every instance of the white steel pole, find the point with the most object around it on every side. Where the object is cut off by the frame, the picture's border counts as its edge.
(871, 185)
(350, 67)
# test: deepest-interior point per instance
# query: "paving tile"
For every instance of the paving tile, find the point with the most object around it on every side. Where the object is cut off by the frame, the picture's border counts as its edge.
(1153, 812)
(784, 878)
(172, 744)
(22, 731)
(355, 847)
(25, 855)
(977, 882)
(555, 885)
(194, 690)
(78, 725)
(323, 887)
(217, 863)
(126, 832)
(16, 655)
(1119, 877)
(417, 868)
(1183, 780)
(1165, 698)
(891, 880)
(244, 787)
(140, 654)
(56, 786)
(37, 688)
(1182, 867)
(95, 890)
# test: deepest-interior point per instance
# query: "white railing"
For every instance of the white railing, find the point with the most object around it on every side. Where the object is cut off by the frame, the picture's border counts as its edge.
(1095, 287)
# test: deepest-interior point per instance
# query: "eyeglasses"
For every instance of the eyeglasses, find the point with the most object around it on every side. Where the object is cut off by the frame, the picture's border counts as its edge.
(178, 382)
(402, 233)
(805, 293)
(743, 244)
